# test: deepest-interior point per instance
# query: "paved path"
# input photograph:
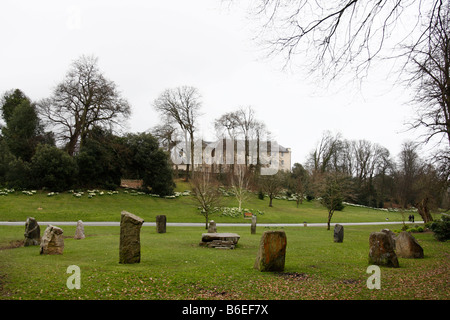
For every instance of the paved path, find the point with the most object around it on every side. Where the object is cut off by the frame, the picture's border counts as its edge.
(199, 224)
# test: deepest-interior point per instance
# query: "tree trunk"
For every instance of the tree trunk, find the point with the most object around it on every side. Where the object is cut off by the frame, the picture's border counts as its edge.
(270, 202)
(422, 208)
(330, 214)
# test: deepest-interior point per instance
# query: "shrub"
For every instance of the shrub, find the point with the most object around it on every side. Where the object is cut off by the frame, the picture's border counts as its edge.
(260, 195)
(98, 165)
(53, 168)
(18, 174)
(441, 228)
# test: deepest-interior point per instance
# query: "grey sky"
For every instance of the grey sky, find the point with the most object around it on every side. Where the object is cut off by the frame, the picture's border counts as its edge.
(148, 46)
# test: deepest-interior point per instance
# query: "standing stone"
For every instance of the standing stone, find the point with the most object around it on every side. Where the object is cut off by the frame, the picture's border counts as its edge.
(52, 241)
(161, 224)
(406, 246)
(32, 232)
(391, 236)
(130, 244)
(338, 233)
(253, 226)
(381, 250)
(79, 232)
(212, 228)
(272, 251)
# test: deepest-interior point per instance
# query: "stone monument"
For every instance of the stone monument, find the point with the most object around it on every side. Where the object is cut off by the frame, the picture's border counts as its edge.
(161, 224)
(79, 232)
(32, 232)
(381, 250)
(130, 243)
(338, 233)
(52, 241)
(272, 251)
(406, 246)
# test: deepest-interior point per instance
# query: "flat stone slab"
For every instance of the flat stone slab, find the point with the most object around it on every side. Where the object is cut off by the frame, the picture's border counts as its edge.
(233, 237)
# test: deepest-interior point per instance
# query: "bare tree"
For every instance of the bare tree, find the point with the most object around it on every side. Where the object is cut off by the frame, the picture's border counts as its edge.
(333, 188)
(334, 35)
(240, 182)
(408, 167)
(245, 118)
(326, 153)
(84, 99)
(272, 185)
(298, 182)
(227, 123)
(182, 104)
(205, 192)
(430, 76)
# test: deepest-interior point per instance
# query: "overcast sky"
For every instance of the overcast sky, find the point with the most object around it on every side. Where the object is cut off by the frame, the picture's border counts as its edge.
(146, 47)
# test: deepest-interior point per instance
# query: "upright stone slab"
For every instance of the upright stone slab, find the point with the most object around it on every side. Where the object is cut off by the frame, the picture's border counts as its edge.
(130, 244)
(381, 250)
(391, 236)
(272, 251)
(32, 232)
(52, 241)
(79, 231)
(161, 224)
(406, 246)
(338, 233)
(212, 228)
(253, 226)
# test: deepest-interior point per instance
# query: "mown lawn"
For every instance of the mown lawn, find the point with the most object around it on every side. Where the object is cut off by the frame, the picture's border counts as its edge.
(65, 207)
(173, 266)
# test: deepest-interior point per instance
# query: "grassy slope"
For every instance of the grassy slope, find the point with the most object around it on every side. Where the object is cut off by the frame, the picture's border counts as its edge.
(66, 207)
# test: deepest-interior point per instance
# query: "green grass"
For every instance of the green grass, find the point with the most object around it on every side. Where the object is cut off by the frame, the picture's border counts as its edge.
(66, 207)
(174, 266)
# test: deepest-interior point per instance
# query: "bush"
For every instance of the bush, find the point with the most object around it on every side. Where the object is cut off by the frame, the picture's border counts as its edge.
(18, 174)
(149, 163)
(260, 195)
(98, 164)
(53, 168)
(441, 228)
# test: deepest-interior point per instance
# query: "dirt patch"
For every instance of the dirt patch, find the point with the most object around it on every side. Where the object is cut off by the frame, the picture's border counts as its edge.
(294, 276)
(350, 281)
(13, 244)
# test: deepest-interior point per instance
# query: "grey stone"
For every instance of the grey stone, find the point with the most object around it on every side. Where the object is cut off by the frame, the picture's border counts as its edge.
(130, 243)
(234, 237)
(32, 232)
(220, 240)
(381, 250)
(253, 226)
(212, 228)
(406, 246)
(338, 233)
(79, 231)
(161, 224)
(391, 235)
(52, 241)
(272, 251)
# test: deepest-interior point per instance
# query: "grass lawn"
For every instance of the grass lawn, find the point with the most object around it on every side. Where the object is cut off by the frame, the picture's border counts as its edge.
(174, 266)
(66, 207)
